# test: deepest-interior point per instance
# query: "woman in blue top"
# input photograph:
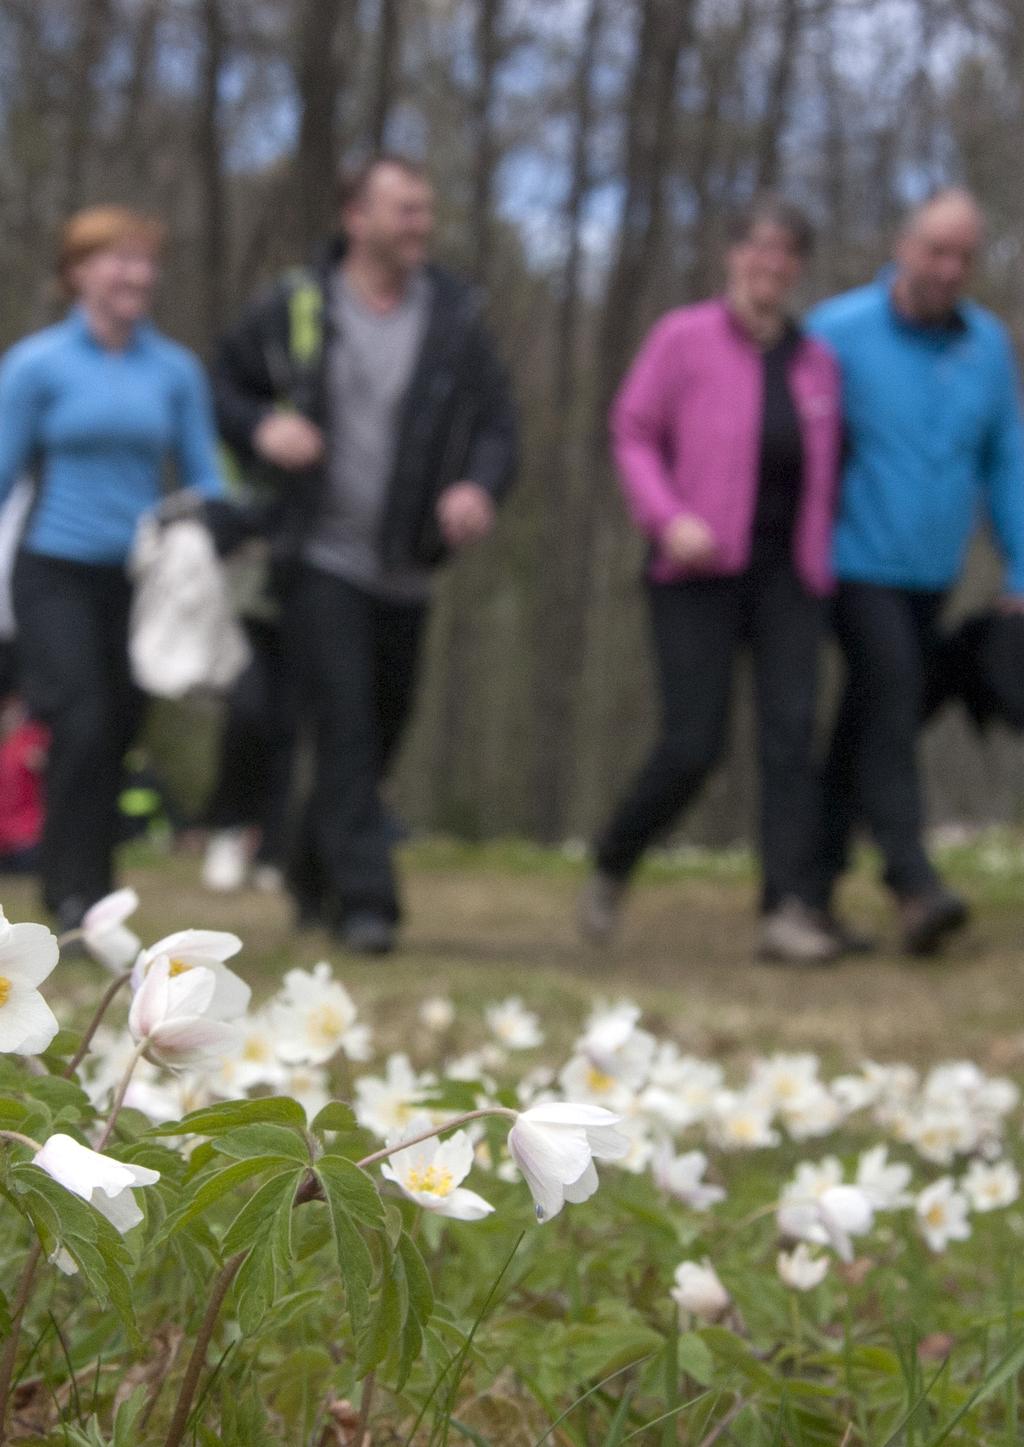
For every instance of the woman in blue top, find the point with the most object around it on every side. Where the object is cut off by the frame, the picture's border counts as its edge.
(93, 408)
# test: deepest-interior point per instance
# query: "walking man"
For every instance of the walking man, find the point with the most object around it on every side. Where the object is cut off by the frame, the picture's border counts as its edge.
(933, 428)
(369, 387)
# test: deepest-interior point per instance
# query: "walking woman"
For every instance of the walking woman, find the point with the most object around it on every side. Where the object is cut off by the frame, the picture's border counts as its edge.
(93, 408)
(727, 435)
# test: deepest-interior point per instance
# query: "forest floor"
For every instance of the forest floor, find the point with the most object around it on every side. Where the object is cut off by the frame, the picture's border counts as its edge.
(495, 920)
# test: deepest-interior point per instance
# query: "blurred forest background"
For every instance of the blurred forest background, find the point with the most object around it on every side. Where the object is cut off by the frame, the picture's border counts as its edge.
(585, 153)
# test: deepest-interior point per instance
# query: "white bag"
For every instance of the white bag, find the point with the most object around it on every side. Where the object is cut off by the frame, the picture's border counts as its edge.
(183, 633)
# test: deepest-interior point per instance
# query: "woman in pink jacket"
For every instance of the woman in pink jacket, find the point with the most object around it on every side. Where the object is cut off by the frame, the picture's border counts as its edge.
(726, 433)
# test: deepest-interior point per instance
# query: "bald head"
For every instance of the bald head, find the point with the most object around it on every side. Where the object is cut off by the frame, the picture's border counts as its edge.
(936, 253)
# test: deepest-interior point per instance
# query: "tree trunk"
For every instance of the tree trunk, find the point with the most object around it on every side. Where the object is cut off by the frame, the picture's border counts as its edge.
(457, 770)
(90, 44)
(557, 665)
(780, 88)
(488, 54)
(214, 249)
(319, 74)
(387, 71)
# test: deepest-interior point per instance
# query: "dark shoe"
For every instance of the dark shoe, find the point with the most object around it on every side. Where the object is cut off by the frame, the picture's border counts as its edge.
(928, 918)
(70, 913)
(850, 941)
(367, 934)
(795, 934)
(600, 907)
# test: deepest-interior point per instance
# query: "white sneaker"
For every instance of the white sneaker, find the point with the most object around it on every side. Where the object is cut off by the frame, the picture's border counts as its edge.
(794, 934)
(226, 862)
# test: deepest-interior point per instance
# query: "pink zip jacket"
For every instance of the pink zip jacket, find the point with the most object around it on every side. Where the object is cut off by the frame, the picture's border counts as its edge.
(686, 434)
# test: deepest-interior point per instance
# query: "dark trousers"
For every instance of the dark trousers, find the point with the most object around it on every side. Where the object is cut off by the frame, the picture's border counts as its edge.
(72, 621)
(357, 659)
(257, 748)
(888, 637)
(698, 628)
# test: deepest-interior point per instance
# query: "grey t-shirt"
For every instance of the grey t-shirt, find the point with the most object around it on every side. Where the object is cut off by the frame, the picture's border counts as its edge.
(368, 373)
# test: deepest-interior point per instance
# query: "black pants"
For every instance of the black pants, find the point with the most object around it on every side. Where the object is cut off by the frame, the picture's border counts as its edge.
(698, 628)
(888, 637)
(357, 659)
(257, 748)
(72, 621)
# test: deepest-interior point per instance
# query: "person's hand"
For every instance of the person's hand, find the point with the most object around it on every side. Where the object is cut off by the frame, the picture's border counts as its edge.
(688, 542)
(465, 512)
(288, 440)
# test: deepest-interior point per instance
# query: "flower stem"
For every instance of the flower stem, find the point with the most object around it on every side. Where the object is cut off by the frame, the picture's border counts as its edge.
(427, 1135)
(190, 1381)
(122, 1090)
(10, 1352)
(22, 1140)
(94, 1024)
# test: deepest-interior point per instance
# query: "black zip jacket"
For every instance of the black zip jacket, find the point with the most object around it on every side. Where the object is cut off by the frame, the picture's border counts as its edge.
(458, 420)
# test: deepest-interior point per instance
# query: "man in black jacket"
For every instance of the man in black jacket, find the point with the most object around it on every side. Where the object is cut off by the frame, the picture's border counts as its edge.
(369, 390)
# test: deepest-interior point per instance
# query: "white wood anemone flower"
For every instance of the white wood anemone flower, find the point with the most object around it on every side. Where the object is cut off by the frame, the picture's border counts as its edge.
(313, 1017)
(105, 934)
(106, 1184)
(431, 1173)
(28, 953)
(831, 1218)
(191, 949)
(698, 1292)
(170, 1016)
(800, 1269)
(555, 1146)
(515, 1027)
(943, 1214)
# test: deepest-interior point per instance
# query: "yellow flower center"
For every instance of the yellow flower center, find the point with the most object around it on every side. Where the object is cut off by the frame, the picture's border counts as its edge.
(598, 1081)
(742, 1128)
(432, 1180)
(326, 1023)
(5, 989)
(255, 1049)
(178, 967)
(936, 1215)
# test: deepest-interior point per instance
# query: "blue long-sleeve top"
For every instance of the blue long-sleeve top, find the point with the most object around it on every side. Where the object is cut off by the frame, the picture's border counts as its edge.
(98, 427)
(933, 436)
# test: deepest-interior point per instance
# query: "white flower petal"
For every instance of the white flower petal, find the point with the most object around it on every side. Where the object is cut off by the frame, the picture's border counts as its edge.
(27, 1024)
(28, 953)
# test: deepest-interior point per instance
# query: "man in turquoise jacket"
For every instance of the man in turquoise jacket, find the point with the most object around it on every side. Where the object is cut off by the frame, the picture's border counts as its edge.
(934, 437)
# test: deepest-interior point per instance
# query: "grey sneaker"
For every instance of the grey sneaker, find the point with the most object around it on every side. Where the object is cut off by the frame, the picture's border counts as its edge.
(794, 934)
(600, 907)
(364, 933)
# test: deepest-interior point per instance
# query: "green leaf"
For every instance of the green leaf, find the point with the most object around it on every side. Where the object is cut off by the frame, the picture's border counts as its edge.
(58, 1094)
(385, 1323)
(126, 1428)
(230, 1115)
(354, 1186)
(12, 1112)
(254, 1287)
(256, 1216)
(421, 1290)
(354, 1260)
(334, 1116)
(263, 1140)
(695, 1359)
(418, 1302)
(217, 1185)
